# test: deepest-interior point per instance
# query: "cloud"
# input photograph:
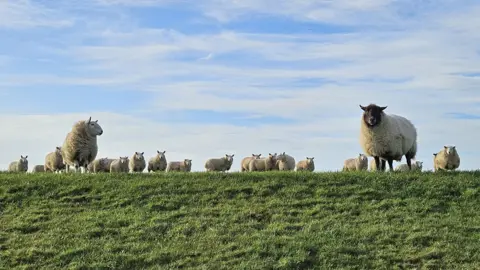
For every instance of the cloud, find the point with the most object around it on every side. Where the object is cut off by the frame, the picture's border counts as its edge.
(20, 14)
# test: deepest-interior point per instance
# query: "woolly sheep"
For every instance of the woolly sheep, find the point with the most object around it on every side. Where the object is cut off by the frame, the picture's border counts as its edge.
(219, 164)
(137, 162)
(416, 166)
(180, 166)
(360, 163)
(119, 165)
(446, 159)
(54, 161)
(262, 164)
(20, 165)
(246, 161)
(38, 168)
(158, 162)
(80, 145)
(284, 162)
(387, 136)
(100, 165)
(306, 165)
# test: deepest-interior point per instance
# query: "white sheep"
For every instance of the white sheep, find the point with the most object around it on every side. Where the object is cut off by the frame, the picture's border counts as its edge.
(20, 165)
(100, 165)
(38, 168)
(158, 162)
(180, 166)
(284, 162)
(246, 161)
(306, 165)
(446, 159)
(387, 136)
(119, 165)
(416, 166)
(219, 164)
(262, 164)
(54, 161)
(137, 162)
(80, 145)
(360, 163)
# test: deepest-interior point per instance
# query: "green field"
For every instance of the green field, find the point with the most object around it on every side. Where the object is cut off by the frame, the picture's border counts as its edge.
(272, 220)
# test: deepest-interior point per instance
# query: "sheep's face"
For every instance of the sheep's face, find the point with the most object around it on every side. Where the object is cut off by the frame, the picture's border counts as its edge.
(161, 155)
(93, 128)
(123, 160)
(362, 157)
(372, 114)
(229, 158)
(23, 159)
(419, 164)
(310, 160)
(449, 149)
(139, 156)
(256, 156)
(188, 162)
(58, 150)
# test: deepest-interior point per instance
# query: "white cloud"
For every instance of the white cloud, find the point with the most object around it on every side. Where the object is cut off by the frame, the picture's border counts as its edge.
(26, 14)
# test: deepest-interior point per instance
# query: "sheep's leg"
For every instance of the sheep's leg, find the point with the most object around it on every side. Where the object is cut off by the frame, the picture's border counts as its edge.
(409, 162)
(390, 163)
(377, 163)
(383, 165)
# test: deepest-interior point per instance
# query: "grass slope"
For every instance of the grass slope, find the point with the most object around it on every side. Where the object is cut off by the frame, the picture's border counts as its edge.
(240, 221)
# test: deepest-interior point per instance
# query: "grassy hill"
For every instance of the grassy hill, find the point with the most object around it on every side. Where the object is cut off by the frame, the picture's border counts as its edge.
(240, 221)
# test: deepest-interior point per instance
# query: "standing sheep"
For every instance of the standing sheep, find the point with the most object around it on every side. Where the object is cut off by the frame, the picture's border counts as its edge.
(416, 166)
(100, 165)
(359, 163)
(158, 162)
(20, 165)
(54, 161)
(246, 160)
(387, 136)
(180, 166)
(80, 145)
(219, 164)
(137, 162)
(262, 164)
(447, 159)
(306, 165)
(284, 162)
(119, 165)
(38, 168)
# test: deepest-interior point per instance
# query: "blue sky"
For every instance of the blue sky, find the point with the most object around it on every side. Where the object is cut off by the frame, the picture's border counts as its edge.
(203, 78)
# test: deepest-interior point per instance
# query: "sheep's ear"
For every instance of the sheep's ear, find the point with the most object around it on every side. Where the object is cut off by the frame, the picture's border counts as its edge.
(363, 108)
(89, 120)
(143, 153)
(26, 157)
(313, 157)
(383, 108)
(453, 147)
(232, 155)
(259, 155)
(445, 146)
(158, 152)
(96, 121)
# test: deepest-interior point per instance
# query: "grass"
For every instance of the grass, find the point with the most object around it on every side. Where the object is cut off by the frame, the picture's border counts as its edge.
(272, 220)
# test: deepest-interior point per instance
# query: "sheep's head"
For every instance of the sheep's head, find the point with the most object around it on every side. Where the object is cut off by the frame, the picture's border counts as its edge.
(450, 149)
(161, 154)
(281, 157)
(362, 156)
(310, 160)
(139, 155)
(23, 159)
(256, 156)
(372, 114)
(93, 128)
(229, 158)
(58, 150)
(419, 164)
(123, 159)
(188, 162)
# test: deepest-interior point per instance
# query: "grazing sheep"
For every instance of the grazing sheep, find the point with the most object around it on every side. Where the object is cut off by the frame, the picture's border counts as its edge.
(219, 164)
(158, 162)
(119, 165)
(137, 162)
(416, 166)
(246, 161)
(284, 162)
(387, 136)
(262, 164)
(20, 165)
(80, 145)
(306, 165)
(54, 161)
(359, 163)
(180, 166)
(38, 168)
(447, 159)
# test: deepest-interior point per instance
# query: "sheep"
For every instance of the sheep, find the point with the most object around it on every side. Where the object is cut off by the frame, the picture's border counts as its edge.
(446, 159)
(100, 165)
(387, 136)
(246, 160)
(284, 162)
(416, 166)
(180, 166)
(262, 164)
(137, 162)
(80, 145)
(54, 161)
(359, 163)
(158, 162)
(219, 164)
(119, 165)
(38, 168)
(20, 165)
(306, 165)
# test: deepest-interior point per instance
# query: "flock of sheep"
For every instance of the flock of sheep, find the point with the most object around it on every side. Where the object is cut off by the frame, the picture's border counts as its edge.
(385, 137)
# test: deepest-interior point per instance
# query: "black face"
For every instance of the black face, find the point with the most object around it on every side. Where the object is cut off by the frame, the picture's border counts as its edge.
(372, 114)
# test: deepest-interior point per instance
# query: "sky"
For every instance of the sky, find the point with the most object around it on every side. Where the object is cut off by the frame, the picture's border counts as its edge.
(203, 78)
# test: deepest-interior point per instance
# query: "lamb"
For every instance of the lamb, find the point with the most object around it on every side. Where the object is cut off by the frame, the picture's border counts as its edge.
(158, 162)
(137, 162)
(38, 168)
(180, 166)
(387, 136)
(306, 165)
(119, 165)
(359, 163)
(20, 165)
(219, 164)
(447, 159)
(80, 145)
(100, 165)
(416, 166)
(262, 164)
(54, 161)
(246, 161)
(284, 162)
